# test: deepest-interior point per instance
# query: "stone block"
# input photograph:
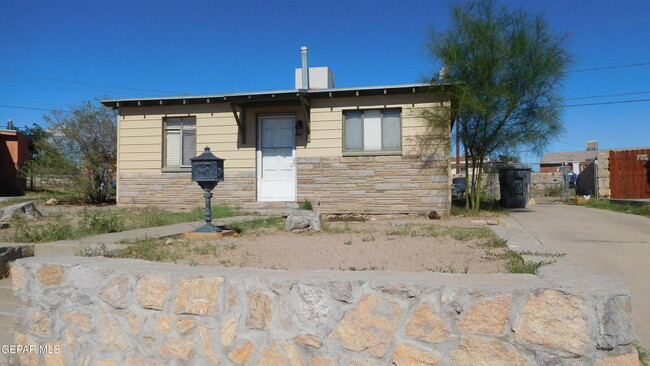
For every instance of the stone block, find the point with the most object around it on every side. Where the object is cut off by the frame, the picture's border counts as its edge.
(272, 357)
(260, 311)
(615, 322)
(229, 330)
(81, 321)
(111, 337)
(474, 351)
(179, 348)
(164, 324)
(197, 296)
(206, 341)
(116, 291)
(425, 325)
(369, 326)
(242, 354)
(50, 275)
(407, 355)
(489, 317)
(152, 292)
(553, 319)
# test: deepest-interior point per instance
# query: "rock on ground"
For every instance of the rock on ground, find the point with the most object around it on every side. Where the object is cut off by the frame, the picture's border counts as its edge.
(25, 210)
(302, 220)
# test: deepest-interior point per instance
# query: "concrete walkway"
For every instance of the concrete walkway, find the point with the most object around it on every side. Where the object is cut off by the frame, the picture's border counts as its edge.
(606, 242)
(111, 240)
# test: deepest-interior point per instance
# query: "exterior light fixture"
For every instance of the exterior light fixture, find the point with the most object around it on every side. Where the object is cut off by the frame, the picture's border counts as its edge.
(299, 125)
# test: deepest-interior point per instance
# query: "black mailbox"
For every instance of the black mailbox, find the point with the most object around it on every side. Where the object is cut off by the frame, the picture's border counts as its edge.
(207, 171)
(207, 167)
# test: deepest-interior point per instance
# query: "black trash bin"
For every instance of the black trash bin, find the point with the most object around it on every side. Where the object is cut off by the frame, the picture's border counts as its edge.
(514, 181)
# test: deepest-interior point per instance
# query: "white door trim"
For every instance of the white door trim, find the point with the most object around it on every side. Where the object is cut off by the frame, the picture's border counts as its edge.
(293, 181)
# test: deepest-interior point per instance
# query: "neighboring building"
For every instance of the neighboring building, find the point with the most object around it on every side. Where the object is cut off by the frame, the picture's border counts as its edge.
(14, 151)
(575, 160)
(344, 149)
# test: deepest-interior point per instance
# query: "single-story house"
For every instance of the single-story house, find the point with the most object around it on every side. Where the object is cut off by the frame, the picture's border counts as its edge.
(347, 150)
(575, 160)
(14, 151)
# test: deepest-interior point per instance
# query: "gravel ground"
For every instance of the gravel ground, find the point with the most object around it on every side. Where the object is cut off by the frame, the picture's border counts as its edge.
(372, 245)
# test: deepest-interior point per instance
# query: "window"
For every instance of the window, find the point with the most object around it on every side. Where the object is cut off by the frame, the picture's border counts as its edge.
(180, 141)
(376, 131)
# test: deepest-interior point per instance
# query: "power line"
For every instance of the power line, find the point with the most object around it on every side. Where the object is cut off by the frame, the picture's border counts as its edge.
(610, 67)
(20, 107)
(601, 103)
(90, 84)
(609, 95)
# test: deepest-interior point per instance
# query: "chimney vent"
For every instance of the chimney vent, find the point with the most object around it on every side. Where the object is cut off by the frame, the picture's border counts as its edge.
(305, 68)
(592, 145)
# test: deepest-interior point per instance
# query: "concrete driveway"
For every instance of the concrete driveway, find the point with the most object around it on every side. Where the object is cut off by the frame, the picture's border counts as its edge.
(607, 242)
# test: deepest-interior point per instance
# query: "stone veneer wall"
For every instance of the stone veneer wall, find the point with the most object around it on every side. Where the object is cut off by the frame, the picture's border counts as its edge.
(373, 184)
(104, 312)
(177, 191)
(603, 174)
(365, 184)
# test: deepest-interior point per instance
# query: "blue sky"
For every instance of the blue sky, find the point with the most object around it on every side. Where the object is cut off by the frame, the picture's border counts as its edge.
(54, 54)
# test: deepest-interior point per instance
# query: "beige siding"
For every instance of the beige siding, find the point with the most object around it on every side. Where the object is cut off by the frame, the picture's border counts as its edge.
(141, 133)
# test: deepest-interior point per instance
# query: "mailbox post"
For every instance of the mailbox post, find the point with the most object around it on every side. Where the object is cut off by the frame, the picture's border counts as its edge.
(207, 171)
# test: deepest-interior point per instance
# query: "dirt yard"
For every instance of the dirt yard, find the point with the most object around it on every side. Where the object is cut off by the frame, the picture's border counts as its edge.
(403, 244)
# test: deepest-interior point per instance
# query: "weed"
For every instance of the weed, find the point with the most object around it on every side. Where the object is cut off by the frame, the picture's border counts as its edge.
(225, 262)
(28, 233)
(305, 205)
(371, 268)
(494, 242)
(251, 226)
(644, 355)
(279, 267)
(348, 242)
(542, 254)
(150, 250)
(642, 209)
(193, 263)
(231, 246)
(98, 222)
(93, 250)
(468, 233)
(368, 238)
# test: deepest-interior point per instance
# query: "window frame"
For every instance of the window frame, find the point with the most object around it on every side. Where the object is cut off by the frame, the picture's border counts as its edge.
(180, 167)
(363, 152)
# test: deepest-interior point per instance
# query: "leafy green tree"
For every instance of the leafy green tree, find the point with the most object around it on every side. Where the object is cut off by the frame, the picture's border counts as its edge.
(506, 69)
(87, 137)
(45, 158)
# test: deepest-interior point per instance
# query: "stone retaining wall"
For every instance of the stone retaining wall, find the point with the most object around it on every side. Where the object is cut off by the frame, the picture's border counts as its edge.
(103, 311)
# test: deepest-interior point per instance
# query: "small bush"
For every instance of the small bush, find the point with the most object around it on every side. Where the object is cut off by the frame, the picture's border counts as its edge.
(305, 205)
(26, 233)
(98, 222)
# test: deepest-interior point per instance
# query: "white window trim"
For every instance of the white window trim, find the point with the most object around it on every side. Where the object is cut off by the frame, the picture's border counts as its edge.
(372, 152)
(180, 150)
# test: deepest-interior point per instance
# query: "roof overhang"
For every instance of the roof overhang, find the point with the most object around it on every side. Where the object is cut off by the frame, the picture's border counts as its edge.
(273, 97)
(239, 102)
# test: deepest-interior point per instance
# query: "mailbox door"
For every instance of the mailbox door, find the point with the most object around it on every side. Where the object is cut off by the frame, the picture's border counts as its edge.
(276, 168)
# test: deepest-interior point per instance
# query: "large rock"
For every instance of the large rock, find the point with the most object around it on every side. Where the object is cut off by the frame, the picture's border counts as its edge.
(303, 220)
(25, 210)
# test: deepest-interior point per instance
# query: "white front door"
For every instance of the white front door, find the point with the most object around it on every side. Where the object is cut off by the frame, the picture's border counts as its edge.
(276, 155)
